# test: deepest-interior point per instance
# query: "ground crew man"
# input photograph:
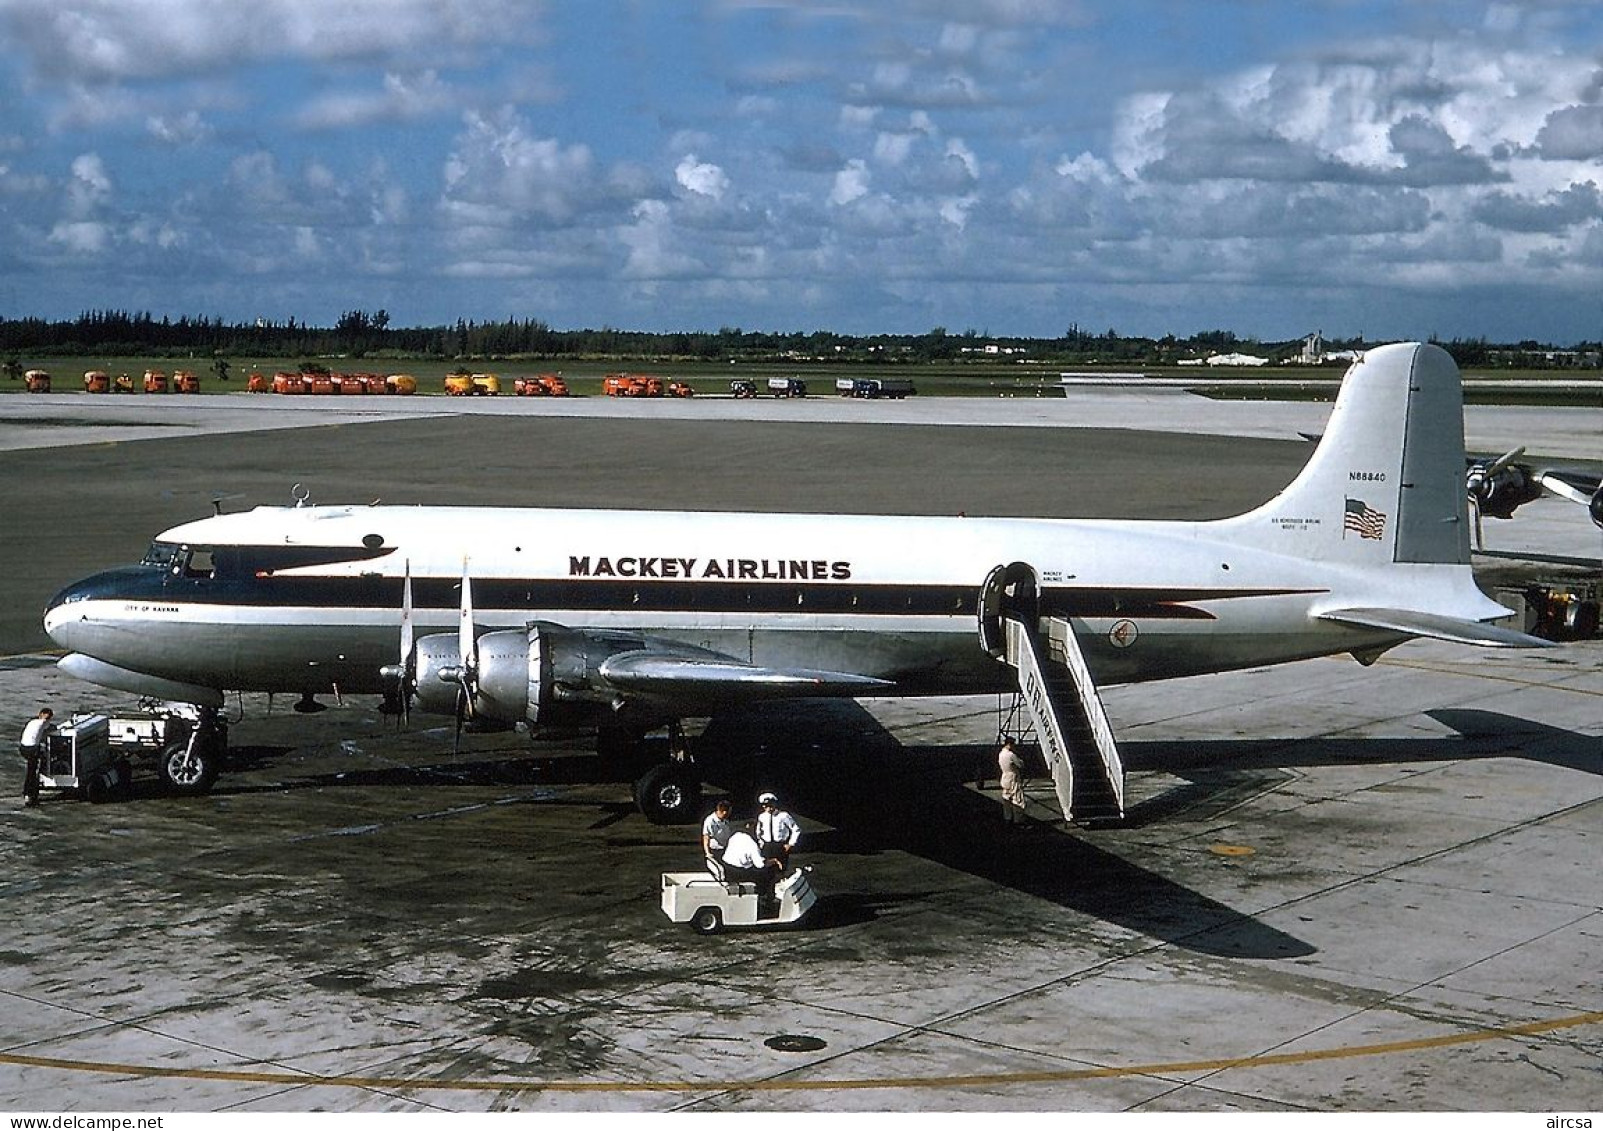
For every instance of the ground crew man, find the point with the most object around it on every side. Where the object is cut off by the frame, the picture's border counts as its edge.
(777, 830)
(35, 738)
(716, 829)
(1011, 765)
(744, 862)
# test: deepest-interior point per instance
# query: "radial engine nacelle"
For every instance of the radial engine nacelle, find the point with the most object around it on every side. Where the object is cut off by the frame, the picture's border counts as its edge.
(539, 674)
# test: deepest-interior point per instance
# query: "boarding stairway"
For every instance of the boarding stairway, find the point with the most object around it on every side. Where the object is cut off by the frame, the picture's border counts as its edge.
(1056, 689)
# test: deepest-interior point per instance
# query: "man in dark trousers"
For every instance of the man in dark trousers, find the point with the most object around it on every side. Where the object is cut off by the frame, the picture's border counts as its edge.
(35, 737)
(744, 862)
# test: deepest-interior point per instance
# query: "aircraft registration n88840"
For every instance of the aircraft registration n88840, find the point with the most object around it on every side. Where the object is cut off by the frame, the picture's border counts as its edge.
(636, 619)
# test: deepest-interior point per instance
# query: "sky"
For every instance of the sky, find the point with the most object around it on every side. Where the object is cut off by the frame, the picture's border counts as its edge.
(1377, 168)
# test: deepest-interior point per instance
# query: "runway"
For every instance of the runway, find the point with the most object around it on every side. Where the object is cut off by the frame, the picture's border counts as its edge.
(1340, 888)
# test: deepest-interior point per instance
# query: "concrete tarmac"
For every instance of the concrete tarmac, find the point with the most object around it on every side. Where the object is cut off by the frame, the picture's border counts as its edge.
(1340, 888)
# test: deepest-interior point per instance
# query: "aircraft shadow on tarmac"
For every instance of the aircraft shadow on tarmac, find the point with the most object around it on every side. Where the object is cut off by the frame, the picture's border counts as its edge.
(836, 765)
(1479, 735)
(833, 762)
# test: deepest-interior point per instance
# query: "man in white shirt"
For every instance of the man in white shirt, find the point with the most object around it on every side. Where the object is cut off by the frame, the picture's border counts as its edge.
(744, 863)
(32, 748)
(777, 830)
(716, 829)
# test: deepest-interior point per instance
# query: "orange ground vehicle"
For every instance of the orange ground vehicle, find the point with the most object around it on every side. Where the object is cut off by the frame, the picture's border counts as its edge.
(401, 384)
(544, 385)
(122, 383)
(258, 383)
(96, 381)
(38, 381)
(155, 381)
(185, 381)
(631, 385)
(680, 389)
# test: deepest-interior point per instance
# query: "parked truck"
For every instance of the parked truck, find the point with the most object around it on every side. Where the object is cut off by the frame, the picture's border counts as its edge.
(542, 385)
(888, 388)
(631, 385)
(787, 387)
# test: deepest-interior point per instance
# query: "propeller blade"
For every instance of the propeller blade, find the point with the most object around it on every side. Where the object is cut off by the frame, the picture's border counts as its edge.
(467, 646)
(1504, 460)
(402, 675)
(406, 616)
(1564, 490)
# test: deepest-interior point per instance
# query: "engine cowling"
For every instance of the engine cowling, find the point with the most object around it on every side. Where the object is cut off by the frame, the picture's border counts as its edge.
(1499, 489)
(539, 674)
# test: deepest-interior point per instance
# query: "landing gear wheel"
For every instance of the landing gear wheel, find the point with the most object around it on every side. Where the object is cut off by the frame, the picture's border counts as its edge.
(188, 769)
(707, 921)
(668, 794)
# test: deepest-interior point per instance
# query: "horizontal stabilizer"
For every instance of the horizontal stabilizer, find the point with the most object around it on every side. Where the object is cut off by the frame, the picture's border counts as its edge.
(1437, 627)
(655, 672)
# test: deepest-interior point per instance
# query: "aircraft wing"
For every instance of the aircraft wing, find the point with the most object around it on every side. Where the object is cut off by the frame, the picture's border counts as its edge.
(1437, 627)
(698, 675)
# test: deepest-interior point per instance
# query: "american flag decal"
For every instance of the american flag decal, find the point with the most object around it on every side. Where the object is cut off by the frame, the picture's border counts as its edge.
(1363, 520)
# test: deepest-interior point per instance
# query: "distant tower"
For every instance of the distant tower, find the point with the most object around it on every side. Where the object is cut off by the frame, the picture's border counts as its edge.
(1313, 348)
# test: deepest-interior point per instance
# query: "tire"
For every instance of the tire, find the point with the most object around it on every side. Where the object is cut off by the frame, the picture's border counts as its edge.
(100, 788)
(707, 921)
(668, 794)
(188, 772)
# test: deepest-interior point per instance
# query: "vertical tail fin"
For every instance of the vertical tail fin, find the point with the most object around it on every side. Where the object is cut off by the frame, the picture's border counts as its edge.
(1386, 481)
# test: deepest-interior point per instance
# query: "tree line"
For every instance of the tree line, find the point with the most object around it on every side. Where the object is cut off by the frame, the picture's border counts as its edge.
(370, 334)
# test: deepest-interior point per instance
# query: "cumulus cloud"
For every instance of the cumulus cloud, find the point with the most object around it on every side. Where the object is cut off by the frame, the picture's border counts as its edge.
(851, 183)
(89, 186)
(651, 243)
(701, 177)
(187, 128)
(1556, 211)
(500, 169)
(82, 237)
(401, 97)
(1572, 132)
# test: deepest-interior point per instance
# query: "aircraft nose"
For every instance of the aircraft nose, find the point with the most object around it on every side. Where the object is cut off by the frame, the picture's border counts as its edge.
(65, 612)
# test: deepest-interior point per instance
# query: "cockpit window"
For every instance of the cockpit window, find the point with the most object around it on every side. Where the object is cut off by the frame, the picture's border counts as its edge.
(199, 563)
(162, 555)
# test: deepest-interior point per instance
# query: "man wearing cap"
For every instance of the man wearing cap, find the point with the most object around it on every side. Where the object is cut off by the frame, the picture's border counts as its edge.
(777, 830)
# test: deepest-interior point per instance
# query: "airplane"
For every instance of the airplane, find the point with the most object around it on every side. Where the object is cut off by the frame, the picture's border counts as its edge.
(1498, 487)
(634, 620)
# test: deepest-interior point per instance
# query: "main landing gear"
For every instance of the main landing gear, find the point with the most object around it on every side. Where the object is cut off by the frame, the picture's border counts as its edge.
(667, 792)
